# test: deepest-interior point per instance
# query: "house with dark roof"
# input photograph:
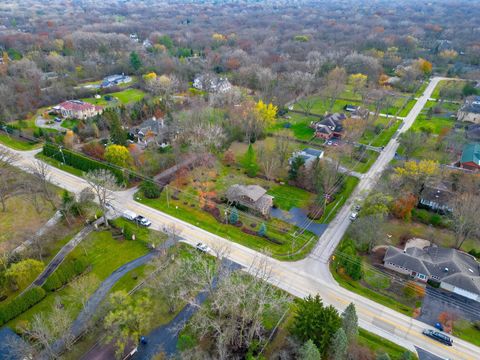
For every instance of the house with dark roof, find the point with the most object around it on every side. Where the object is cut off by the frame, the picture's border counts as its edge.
(114, 80)
(471, 157)
(308, 155)
(253, 197)
(454, 270)
(473, 132)
(436, 197)
(152, 130)
(470, 111)
(330, 127)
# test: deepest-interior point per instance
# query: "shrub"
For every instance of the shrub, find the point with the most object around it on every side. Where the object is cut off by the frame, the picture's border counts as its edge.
(21, 304)
(80, 161)
(150, 190)
(65, 273)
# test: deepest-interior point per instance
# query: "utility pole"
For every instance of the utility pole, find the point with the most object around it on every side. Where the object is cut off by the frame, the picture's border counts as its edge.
(166, 191)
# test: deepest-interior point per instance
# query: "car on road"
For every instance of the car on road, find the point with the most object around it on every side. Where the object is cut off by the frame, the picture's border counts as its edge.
(143, 221)
(202, 247)
(436, 335)
(129, 215)
(353, 216)
(357, 208)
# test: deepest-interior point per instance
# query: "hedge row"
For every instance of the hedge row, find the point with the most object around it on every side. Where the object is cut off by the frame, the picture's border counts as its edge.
(65, 273)
(20, 304)
(80, 161)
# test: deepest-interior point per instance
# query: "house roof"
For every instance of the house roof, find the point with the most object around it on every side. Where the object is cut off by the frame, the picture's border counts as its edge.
(253, 192)
(313, 152)
(473, 132)
(472, 105)
(448, 265)
(331, 123)
(436, 196)
(471, 153)
(77, 105)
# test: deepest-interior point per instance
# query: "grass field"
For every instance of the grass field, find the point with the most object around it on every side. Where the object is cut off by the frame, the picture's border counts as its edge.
(69, 123)
(438, 121)
(442, 84)
(123, 97)
(16, 144)
(361, 167)
(105, 254)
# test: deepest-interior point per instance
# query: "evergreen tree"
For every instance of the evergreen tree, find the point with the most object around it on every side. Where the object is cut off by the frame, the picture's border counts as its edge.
(234, 216)
(135, 61)
(295, 166)
(315, 321)
(350, 323)
(309, 351)
(339, 345)
(249, 162)
(117, 134)
(263, 230)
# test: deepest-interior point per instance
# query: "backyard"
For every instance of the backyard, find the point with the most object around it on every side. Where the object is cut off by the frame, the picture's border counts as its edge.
(127, 96)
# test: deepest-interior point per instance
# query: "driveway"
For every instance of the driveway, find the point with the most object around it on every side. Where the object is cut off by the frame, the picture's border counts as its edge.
(43, 123)
(437, 301)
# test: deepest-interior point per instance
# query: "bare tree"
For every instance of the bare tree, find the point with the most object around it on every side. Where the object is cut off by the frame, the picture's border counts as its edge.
(83, 287)
(269, 161)
(283, 146)
(41, 172)
(174, 230)
(335, 84)
(102, 182)
(465, 210)
(47, 329)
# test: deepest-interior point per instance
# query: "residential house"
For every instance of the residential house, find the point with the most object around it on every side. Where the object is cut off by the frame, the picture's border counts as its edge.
(473, 132)
(470, 111)
(454, 270)
(253, 197)
(77, 109)
(331, 126)
(114, 80)
(147, 44)
(308, 155)
(471, 157)
(152, 130)
(211, 83)
(436, 197)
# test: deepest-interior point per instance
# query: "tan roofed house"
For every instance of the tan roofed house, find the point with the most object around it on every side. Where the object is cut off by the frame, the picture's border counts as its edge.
(251, 196)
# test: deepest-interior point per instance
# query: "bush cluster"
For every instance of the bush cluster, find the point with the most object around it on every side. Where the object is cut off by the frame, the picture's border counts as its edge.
(20, 304)
(80, 162)
(150, 190)
(65, 273)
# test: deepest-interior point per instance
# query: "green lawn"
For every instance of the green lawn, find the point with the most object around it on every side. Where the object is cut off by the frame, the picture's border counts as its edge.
(455, 84)
(380, 345)
(361, 167)
(18, 144)
(421, 89)
(407, 107)
(287, 197)
(105, 254)
(390, 125)
(124, 97)
(466, 330)
(187, 209)
(437, 122)
(357, 288)
(340, 199)
(69, 123)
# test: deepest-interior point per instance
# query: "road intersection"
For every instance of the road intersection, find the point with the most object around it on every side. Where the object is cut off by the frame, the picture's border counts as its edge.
(311, 275)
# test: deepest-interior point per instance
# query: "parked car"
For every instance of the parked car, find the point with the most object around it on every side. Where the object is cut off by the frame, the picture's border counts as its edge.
(353, 216)
(129, 215)
(357, 207)
(143, 221)
(57, 119)
(444, 339)
(202, 247)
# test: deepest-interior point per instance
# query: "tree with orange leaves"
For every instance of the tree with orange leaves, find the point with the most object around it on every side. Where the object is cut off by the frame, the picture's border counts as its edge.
(402, 207)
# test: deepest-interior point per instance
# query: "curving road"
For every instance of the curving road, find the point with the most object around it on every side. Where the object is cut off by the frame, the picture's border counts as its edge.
(311, 275)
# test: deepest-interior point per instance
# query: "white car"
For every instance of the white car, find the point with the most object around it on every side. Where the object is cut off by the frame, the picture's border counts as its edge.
(202, 247)
(141, 220)
(353, 216)
(129, 215)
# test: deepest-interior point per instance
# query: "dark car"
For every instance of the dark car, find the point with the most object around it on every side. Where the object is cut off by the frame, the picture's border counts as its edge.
(140, 220)
(436, 335)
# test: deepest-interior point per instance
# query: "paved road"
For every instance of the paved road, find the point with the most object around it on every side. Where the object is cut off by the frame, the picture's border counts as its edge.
(309, 276)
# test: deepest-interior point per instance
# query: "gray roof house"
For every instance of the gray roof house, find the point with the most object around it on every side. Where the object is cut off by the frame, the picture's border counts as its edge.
(308, 155)
(253, 197)
(455, 270)
(436, 197)
(470, 111)
(151, 130)
(211, 83)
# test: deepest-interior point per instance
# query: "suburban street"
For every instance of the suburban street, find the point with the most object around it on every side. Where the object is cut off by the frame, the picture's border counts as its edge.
(311, 275)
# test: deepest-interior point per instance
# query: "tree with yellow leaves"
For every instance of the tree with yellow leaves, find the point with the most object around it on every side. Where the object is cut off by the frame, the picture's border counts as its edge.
(267, 112)
(68, 139)
(150, 76)
(219, 37)
(415, 174)
(118, 155)
(358, 83)
(424, 66)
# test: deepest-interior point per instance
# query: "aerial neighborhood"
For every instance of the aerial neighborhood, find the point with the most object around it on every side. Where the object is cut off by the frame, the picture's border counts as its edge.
(239, 180)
